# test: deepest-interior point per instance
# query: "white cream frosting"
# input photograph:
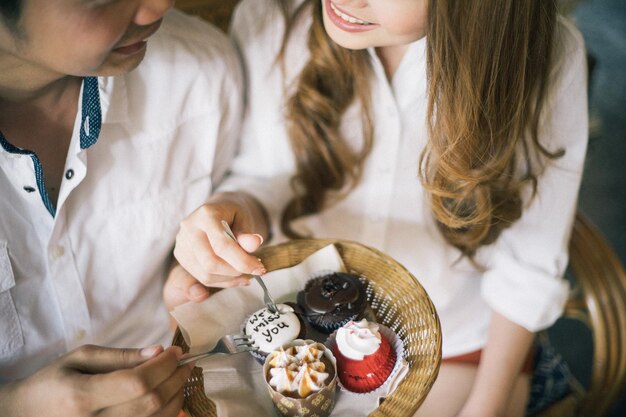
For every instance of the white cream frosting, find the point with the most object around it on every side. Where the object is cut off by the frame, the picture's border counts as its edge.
(283, 359)
(283, 379)
(355, 340)
(298, 369)
(270, 331)
(308, 353)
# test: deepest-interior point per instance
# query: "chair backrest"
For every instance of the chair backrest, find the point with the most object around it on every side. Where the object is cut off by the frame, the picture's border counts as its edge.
(600, 302)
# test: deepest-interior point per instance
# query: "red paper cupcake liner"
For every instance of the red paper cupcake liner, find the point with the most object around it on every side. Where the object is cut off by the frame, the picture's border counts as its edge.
(370, 373)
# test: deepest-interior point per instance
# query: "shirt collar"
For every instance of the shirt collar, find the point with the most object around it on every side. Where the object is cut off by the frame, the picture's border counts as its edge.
(97, 96)
(415, 53)
(113, 98)
(91, 113)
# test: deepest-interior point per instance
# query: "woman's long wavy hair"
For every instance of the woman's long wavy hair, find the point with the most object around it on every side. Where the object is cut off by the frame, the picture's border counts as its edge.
(327, 168)
(488, 64)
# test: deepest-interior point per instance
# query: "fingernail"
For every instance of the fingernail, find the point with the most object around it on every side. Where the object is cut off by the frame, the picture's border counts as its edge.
(244, 283)
(259, 271)
(260, 238)
(150, 351)
(191, 365)
(197, 291)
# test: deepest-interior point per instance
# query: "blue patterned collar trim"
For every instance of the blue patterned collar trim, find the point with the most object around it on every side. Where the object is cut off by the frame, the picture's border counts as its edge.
(41, 184)
(91, 113)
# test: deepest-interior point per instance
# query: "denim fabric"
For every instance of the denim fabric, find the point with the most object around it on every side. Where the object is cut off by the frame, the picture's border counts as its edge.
(551, 376)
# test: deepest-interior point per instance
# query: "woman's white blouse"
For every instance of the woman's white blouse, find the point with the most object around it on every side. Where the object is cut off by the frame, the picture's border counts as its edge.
(94, 272)
(389, 209)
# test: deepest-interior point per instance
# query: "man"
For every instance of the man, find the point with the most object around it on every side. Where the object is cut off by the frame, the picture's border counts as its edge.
(100, 160)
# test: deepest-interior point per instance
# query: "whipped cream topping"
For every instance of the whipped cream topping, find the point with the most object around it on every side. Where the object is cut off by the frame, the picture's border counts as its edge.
(308, 353)
(298, 369)
(269, 331)
(283, 359)
(355, 340)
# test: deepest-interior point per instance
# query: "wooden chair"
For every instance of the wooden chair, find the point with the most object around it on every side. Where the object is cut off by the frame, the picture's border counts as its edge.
(598, 299)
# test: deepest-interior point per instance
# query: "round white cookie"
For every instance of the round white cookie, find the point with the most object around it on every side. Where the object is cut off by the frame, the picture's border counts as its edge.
(271, 330)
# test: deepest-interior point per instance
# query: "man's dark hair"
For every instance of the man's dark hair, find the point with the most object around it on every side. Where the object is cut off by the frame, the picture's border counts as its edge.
(10, 12)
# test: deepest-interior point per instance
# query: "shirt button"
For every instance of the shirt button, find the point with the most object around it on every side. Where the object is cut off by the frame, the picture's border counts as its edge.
(57, 252)
(69, 174)
(80, 335)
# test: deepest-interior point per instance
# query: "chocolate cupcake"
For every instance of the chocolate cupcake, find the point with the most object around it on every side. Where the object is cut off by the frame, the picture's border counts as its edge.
(330, 301)
(271, 330)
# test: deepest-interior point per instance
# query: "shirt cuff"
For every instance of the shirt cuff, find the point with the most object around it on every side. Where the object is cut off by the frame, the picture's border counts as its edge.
(526, 295)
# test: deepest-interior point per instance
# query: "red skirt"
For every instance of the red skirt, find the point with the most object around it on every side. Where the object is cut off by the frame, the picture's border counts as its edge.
(473, 358)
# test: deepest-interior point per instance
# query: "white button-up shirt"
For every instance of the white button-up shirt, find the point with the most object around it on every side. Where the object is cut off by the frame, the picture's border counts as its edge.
(91, 269)
(389, 209)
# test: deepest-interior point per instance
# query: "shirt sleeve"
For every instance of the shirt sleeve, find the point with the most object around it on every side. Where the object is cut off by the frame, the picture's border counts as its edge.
(227, 106)
(264, 163)
(524, 279)
(207, 71)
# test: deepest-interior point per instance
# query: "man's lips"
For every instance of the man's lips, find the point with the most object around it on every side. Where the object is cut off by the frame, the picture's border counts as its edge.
(132, 48)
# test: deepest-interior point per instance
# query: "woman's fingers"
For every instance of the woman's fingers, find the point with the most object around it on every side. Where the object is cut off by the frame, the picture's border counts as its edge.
(233, 254)
(211, 256)
(250, 242)
(181, 287)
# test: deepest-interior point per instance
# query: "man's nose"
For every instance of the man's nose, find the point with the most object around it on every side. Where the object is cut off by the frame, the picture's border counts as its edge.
(149, 11)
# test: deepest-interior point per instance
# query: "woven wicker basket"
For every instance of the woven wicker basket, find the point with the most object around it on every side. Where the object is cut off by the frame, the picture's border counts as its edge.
(398, 301)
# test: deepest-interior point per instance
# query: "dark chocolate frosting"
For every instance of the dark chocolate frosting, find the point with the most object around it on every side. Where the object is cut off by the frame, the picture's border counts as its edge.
(328, 301)
(325, 294)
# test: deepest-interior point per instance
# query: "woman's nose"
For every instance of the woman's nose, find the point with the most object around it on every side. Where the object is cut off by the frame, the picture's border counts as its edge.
(150, 11)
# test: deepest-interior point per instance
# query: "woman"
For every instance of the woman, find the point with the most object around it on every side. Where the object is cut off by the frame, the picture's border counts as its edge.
(450, 135)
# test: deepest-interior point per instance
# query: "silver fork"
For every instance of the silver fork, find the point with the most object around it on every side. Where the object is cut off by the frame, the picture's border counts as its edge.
(229, 344)
(267, 298)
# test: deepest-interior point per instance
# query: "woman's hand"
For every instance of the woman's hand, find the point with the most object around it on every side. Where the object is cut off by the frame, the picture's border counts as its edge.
(207, 257)
(98, 381)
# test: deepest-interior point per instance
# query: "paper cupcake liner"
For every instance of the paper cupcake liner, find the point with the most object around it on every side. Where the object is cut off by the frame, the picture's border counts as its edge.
(396, 345)
(322, 324)
(319, 403)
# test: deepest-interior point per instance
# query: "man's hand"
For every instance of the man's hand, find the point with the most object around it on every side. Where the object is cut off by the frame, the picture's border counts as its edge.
(97, 381)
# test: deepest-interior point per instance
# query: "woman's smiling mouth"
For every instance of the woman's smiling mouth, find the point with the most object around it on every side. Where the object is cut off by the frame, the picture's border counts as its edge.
(345, 21)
